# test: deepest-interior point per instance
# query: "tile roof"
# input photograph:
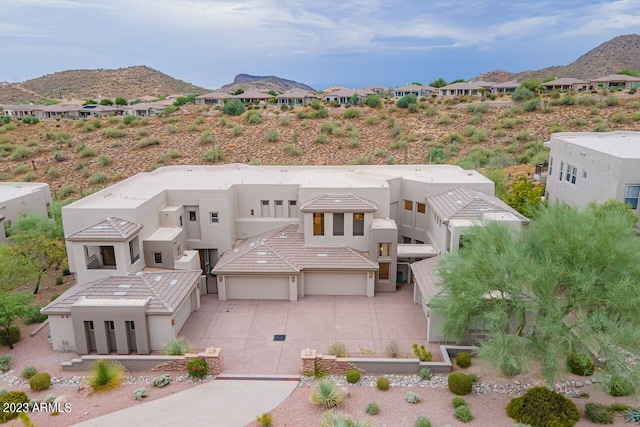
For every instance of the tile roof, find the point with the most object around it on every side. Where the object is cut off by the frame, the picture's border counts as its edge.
(426, 278)
(164, 289)
(108, 229)
(565, 81)
(284, 251)
(617, 78)
(467, 203)
(461, 86)
(338, 203)
(414, 88)
(506, 85)
(146, 106)
(214, 95)
(295, 93)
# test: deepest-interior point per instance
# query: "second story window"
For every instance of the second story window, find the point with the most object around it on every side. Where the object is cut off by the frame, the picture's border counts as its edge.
(631, 196)
(358, 224)
(572, 171)
(384, 250)
(192, 215)
(318, 224)
(408, 205)
(422, 208)
(214, 218)
(338, 224)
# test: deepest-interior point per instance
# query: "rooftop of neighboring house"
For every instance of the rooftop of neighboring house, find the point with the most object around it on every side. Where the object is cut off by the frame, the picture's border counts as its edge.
(11, 190)
(214, 95)
(623, 144)
(413, 88)
(506, 85)
(617, 78)
(295, 93)
(565, 81)
(462, 86)
(139, 188)
(145, 106)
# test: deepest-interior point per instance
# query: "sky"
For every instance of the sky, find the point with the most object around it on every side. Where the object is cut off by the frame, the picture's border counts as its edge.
(352, 43)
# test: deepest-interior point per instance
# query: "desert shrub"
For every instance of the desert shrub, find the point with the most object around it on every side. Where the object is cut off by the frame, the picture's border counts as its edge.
(406, 100)
(320, 138)
(396, 131)
(353, 142)
(147, 142)
(272, 135)
(391, 348)
(541, 407)
(372, 120)
(445, 120)
(338, 349)
(30, 120)
(326, 395)
(421, 353)
(105, 160)
(236, 130)
(139, 393)
(619, 118)
(265, 420)
(599, 414)
(372, 408)
(303, 114)
(233, 107)
(32, 312)
(20, 153)
(87, 151)
(192, 127)
(423, 421)
(458, 401)
(66, 191)
(327, 128)
(292, 150)
(580, 364)
(106, 375)
(425, 374)
(363, 159)
(99, 178)
(412, 108)
(15, 397)
(177, 346)
(463, 413)
(620, 386)
(197, 368)
(28, 372)
(215, 154)
(285, 121)
(14, 336)
(412, 397)
(161, 381)
(373, 101)
(172, 129)
(382, 384)
(320, 113)
(532, 105)
(40, 381)
(521, 94)
(253, 117)
(602, 126)
(5, 362)
(351, 113)
(612, 101)
(173, 154)
(53, 173)
(353, 376)
(463, 360)
(114, 133)
(337, 419)
(206, 137)
(30, 177)
(460, 383)
(632, 415)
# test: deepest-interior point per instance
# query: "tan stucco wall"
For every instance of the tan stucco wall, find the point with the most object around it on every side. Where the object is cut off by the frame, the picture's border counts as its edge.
(335, 283)
(61, 328)
(160, 331)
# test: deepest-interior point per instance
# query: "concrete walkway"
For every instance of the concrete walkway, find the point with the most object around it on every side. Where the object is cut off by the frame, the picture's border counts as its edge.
(228, 403)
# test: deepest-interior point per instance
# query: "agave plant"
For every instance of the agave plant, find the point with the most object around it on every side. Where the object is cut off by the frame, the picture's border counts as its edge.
(106, 375)
(327, 395)
(633, 415)
(177, 346)
(338, 419)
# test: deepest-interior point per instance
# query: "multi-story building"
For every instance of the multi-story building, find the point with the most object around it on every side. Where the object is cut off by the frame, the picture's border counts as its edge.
(17, 198)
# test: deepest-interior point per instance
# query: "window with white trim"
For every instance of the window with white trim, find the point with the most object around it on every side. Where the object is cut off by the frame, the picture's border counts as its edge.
(572, 171)
(631, 195)
(214, 218)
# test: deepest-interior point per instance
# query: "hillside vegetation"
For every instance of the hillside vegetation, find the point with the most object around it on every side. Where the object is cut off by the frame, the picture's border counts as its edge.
(75, 156)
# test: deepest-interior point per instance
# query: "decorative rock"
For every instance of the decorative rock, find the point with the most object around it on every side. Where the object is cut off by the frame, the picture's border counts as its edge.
(345, 391)
(61, 400)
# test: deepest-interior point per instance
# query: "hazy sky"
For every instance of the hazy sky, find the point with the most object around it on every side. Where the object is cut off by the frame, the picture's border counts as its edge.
(321, 43)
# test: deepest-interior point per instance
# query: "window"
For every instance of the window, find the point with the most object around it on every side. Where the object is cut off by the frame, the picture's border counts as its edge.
(112, 325)
(406, 240)
(550, 166)
(419, 242)
(358, 224)
(180, 220)
(477, 325)
(631, 196)
(383, 273)
(421, 208)
(561, 168)
(384, 250)
(338, 224)
(293, 208)
(134, 250)
(408, 205)
(157, 257)
(318, 224)
(572, 171)
(264, 209)
(279, 208)
(192, 216)
(214, 218)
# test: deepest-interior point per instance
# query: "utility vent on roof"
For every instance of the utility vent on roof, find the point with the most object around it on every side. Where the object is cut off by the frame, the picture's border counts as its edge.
(173, 282)
(123, 223)
(119, 293)
(323, 255)
(158, 278)
(279, 337)
(337, 201)
(124, 285)
(100, 227)
(262, 253)
(262, 261)
(139, 273)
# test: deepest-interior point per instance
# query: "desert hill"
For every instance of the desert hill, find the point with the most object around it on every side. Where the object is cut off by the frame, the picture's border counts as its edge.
(246, 81)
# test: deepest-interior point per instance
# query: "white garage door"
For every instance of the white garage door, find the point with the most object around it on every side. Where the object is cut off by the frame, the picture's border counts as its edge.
(335, 283)
(244, 287)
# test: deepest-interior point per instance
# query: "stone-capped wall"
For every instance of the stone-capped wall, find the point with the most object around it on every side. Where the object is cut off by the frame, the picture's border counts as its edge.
(212, 355)
(325, 363)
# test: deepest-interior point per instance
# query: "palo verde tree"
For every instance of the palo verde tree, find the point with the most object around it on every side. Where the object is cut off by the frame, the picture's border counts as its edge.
(12, 306)
(567, 284)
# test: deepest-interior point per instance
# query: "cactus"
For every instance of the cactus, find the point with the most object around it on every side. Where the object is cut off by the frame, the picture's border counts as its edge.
(139, 393)
(422, 353)
(162, 380)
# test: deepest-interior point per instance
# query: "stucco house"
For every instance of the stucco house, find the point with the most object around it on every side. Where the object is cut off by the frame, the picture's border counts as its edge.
(294, 97)
(566, 84)
(212, 98)
(505, 87)
(616, 81)
(17, 198)
(344, 96)
(145, 109)
(460, 89)
(414, 89)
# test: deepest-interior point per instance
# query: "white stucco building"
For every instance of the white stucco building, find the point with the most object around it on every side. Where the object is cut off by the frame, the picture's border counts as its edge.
(17, 198)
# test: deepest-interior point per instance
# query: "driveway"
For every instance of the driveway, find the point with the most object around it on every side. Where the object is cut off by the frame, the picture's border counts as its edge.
(245, 329)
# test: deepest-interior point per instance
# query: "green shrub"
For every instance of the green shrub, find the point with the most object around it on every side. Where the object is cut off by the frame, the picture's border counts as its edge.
(106, 375)
(423, 421)
(5, 362)
(265, 420)
(460, 383)
(463, 413)
(147, 142)
(15, 397)
(351, 113)
(114, 133)
(20, 153)
(421, 353)
(474, 378)
(302, 114)
(619, 407)
(66, 191)
(363, 159)
(293, 150)
(532, 105)
(253, 117)
(172, 129)
(620, 386)
(320, 113)
(382, 384)
(207, 137)
(353, 376)
(199, 120)
(28, 372)
(425, 373)
(192, 127)
(406, 100)
(522, 94)
(233, 107)
(463, 360)
(105, 160)
(338, 349)
(161, 381)
(30, 120)
(326, 395)
(177, 346)
(40, 381)
(272, 135)
(458, 401)
(21, 169)
(99, 178)
(87, 151)
(32, 312)
(139, 393)
(580, 364)
(612, 101)
(338, 419)
(53, 173)
(372, 408)
(373, 101)
(320, 138)
(215, 154)
(541, 407)
(412, 397)
(197, 368)
(14, 336)
(599, 414)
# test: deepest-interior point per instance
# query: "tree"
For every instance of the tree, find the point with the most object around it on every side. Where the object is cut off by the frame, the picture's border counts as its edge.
(355, 99)
(180, 101)
(233, 107)
(613, 205)
(416, 83)
(521, 94)
(12, 306)
(533, 85)
(567, 284)
(91, 102)
(237, 91)
(632, 73)
(121, 101)
(439, 82)
(496, 174)
(406, 100)
(458, 81)
(106, 101)
(373, 101)
(524, 196)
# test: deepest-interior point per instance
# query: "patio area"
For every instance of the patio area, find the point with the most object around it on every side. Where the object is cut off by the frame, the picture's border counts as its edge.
(245, 329)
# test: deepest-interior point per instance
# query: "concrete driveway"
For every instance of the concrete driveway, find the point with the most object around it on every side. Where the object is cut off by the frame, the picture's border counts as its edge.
(245, 329)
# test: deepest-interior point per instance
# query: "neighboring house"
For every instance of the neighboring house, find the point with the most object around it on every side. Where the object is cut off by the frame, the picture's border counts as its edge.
(60, 111)
(17, 198)
(144, 109)
(294, 97)
(594, 167)
(146, 98)
(253, 96)
(566, 84)
(505, 87)
(123, 313)
(212, 98)
(23, 110)
(344, 96)
(460, 89)
(381, 90)
(93, 110)
(616, 81)
(484, 84)
(413, 89)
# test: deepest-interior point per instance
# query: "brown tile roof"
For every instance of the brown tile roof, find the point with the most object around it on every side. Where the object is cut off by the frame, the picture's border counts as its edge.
(165, 290)
(461, 86)
(214, 95)
(467, 203)
(252, 94)
(426, 278)
(284, 251)
(565, 81)
(506, 85)
(617, 78)
(338, 203)
(113, 229)
(296, 93)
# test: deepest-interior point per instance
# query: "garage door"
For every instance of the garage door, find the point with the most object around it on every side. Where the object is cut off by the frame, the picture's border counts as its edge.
(335, 283)
(257, 287)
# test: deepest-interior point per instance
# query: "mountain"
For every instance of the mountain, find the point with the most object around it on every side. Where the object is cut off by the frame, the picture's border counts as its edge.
(246, 81)
(129, 83)
(619, 53)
